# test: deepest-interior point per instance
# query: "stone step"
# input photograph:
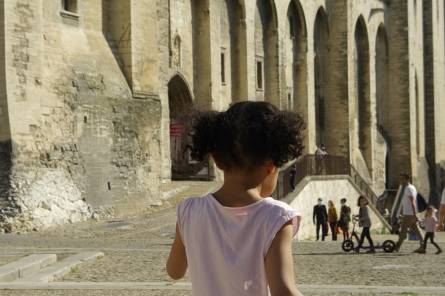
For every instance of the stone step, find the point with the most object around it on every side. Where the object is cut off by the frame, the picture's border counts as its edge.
(190, 189)
(26, 266)
(61, 268)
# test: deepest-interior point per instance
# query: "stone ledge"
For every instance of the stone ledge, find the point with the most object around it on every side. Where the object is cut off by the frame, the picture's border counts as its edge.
(59, 269)
(26, 266)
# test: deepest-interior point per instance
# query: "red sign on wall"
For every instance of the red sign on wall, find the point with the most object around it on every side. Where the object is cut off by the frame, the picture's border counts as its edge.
(176, 130)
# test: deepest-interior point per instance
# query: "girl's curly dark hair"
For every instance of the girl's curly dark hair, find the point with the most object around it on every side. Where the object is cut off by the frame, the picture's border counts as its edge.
(360, 198)
(247, 134)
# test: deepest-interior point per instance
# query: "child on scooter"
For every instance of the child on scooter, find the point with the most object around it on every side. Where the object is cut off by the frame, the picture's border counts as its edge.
(365, 222)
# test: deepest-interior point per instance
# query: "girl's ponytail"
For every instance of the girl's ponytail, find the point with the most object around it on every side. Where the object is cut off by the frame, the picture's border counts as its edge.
(205, 125)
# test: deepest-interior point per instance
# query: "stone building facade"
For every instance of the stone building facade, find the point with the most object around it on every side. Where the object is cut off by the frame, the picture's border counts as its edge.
(94, 94)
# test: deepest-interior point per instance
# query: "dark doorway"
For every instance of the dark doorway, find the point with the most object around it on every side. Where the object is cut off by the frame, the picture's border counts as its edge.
(181, 110)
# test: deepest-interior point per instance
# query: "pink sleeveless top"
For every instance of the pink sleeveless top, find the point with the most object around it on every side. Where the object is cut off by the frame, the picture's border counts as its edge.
(226, 247)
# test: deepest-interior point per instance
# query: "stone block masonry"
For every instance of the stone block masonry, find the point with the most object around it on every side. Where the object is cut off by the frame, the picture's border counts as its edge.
(79, 144)
(87, 95)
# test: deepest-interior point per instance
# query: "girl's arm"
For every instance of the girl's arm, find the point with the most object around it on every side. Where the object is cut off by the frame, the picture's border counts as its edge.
(280, 265)
(177, 261)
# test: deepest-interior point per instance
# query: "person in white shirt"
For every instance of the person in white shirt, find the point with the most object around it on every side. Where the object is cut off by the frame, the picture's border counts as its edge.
(409, 219)
(442, 212)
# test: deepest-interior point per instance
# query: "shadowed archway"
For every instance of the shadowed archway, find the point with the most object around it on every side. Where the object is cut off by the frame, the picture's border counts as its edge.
(297, 47)
(363, 98)
(181, 107)
(321, 65)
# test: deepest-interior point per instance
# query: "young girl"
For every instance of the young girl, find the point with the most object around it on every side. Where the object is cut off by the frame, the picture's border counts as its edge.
(238, 241)
(430, 229)
(365, 222)
(345, 218)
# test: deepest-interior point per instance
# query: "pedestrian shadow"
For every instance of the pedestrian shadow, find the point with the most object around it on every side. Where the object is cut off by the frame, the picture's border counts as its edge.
(320, 254)
(380, 255)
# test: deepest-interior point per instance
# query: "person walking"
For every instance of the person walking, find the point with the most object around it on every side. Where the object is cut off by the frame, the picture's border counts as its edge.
(409, 219)
(320, 218)
(430, 229)
(332, 219)
(365, 222)
(345, 218)
(442, 212)
(238, 240)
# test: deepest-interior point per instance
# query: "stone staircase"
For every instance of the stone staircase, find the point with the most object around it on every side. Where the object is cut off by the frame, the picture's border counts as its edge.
(44, 268)
(175, 191)
(326, 166)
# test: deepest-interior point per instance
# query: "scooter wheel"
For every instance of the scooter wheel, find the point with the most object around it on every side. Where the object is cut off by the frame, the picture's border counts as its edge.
(389, 246)
(347, 245)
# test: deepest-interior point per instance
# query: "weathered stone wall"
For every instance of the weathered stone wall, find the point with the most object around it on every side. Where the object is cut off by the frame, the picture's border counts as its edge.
(439, 89)
(399, 130)
(117, 29)
(5, 133)
(84, 96)
(81, 143)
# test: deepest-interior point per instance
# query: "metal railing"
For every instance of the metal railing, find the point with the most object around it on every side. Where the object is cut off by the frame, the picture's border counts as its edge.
(309, 165)
(325, 165)
(364, 187)
(321, 165)
(286, 180)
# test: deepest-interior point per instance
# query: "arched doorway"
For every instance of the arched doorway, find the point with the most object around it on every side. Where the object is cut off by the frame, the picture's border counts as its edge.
(363, 98)
(321, 50)
(181, 106)
(266, 52)
(383, 102)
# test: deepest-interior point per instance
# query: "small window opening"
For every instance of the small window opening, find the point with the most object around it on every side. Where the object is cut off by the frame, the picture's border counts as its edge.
(223, 68)
(85, 119)
(109, 185)
(289, 101)
(69, 5)
(259, 74)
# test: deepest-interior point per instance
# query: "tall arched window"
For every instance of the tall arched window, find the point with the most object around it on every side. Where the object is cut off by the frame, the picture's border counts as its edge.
(321, 48)
(297, 62)
(363, 98)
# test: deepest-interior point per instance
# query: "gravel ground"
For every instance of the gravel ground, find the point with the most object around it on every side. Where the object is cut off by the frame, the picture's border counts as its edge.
(136, 250)
(162, 293)
(315, 263)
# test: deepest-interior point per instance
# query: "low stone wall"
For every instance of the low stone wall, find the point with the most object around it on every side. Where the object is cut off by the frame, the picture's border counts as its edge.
(334, 189)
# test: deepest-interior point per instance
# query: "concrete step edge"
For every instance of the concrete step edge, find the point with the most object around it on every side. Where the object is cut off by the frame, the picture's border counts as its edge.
(61, 268)
(26, 266)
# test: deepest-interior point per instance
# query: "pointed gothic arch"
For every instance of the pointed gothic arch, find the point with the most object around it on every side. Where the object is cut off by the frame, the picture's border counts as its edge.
(321, 64)
(363, 93)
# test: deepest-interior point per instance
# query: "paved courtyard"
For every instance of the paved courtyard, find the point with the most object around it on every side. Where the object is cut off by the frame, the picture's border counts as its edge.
(136, 250)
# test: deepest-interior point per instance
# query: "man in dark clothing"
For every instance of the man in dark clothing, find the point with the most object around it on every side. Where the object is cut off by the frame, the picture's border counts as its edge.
(320, 218)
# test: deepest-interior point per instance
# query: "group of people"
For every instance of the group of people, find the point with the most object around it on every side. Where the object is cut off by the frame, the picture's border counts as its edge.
(409, 219)
(324, 218)
(328, 218)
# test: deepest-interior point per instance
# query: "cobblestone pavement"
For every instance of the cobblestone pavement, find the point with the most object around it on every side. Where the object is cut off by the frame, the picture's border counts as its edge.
(136, 249)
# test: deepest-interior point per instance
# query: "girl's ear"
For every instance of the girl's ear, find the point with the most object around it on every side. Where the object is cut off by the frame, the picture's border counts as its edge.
(270, 168)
